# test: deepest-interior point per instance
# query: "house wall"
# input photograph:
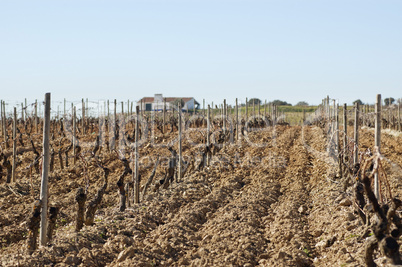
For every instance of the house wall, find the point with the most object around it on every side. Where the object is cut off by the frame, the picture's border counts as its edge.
(189, 104)
(158, 104)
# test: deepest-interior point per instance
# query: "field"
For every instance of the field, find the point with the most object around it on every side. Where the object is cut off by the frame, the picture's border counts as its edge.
(272, 198)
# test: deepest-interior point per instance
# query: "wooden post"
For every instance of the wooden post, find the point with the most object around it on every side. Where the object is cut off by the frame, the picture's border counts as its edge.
(208, 130)
(4, 124)
(389, 115)
(1, 117)
(164, 115)
(345, 128)
(224, 116)
(108, 110)
(128, 108)
(115, 114)
(180, 156)
(22, 112)
(328, 107)
(113, 146)
(45, 172)
(64, 116)
(366, 109)
(338, 146)
(83, 116)
(259, 108)
(356, 135)
(246, 109)
(203, 107)
(36, 116)
(26, 108)
(13, 172)
(172, 115)
(39, 111)
(399, 115)
(377, 140)
(74, 133)
(136, 176)
(212, 108)
(334, 113)
(237, 120)
(122, 108)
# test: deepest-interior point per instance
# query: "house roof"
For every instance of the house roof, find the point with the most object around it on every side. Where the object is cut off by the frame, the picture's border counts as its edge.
(168, 99)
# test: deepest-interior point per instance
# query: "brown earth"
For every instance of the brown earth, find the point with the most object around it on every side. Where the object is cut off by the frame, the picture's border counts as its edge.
(276, 205)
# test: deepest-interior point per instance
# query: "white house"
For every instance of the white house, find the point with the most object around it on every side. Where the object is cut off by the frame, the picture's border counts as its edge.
(156, 103)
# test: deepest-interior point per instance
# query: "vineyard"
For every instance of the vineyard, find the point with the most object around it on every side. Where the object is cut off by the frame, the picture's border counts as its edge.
(223, 186)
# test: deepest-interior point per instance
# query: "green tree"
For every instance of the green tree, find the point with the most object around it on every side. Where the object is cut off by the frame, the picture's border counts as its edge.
(176, 102)
(358, 101)
(302, 103)
(280, 103)
(388, 101)
(254, 101)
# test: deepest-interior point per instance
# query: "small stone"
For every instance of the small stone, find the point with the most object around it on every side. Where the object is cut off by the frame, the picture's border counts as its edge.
(264, 256)
(345, 202)
(350, 227)
(340, 198)
(119, 217)
(282, 255)
(302, 209)
(317, 233)
(321, 245)
(127, 253)
(72, 260)
(351, 216)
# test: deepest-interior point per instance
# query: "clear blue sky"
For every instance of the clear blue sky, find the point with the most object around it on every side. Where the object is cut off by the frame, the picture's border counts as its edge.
(288, 50)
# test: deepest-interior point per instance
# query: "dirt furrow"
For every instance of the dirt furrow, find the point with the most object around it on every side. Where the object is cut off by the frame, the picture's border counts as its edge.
(288, 229)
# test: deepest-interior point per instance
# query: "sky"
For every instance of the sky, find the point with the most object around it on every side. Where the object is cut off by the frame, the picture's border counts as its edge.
(292, 50)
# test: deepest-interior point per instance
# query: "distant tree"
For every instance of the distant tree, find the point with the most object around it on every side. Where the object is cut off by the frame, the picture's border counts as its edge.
(176, 102)
(389, 101)
(280, 103)
(302, 103)
(358, 101)
(254, 101)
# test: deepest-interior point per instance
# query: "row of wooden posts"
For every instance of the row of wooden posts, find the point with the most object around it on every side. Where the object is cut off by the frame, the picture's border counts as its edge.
(37, 122)
(46, 137)
(331, 113)
(250, 110)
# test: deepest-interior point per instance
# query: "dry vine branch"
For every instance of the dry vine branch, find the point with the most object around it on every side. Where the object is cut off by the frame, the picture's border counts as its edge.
(382, 239)
(150, 179)
(33, 226)
(80, 197)
(53, 212)
(93, 205)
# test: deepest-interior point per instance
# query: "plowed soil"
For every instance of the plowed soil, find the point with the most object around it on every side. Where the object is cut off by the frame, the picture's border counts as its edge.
(277, 204)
